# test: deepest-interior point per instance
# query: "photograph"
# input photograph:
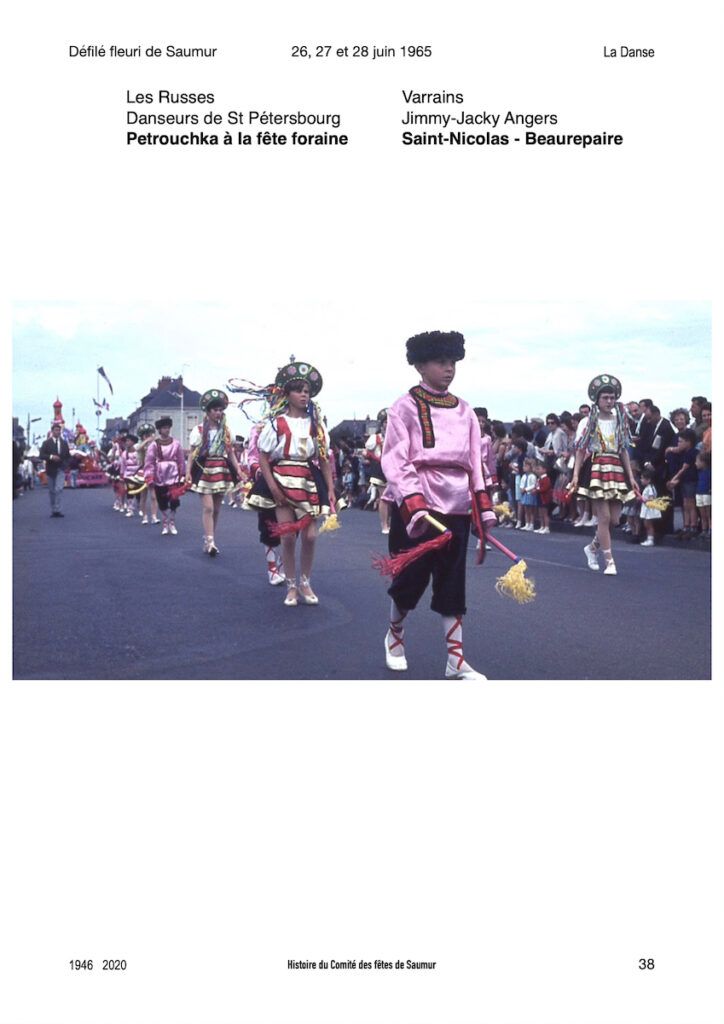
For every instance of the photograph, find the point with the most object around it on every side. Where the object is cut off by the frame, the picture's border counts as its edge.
(361, 661)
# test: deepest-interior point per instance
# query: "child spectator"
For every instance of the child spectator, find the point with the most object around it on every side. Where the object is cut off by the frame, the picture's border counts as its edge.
(528, 498)
(686, 477)
(648, 515)
(544, 492)
(347, 482)
(632, 509)
(703, 491)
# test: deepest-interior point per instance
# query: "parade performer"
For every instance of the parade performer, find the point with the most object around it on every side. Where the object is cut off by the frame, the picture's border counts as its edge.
(265, 516)
(378, 481)
(145, 433)
(603, 435)
(113, 470)
(130, 472)
(165, 467)
(296, 476)
(212, 466)
(432, 462)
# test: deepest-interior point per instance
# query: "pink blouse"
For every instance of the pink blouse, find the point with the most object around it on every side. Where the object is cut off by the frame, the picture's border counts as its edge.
(165, 463)
(431, 455)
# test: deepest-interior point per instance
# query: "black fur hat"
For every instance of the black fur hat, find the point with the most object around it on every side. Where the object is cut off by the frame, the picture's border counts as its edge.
(435, 345)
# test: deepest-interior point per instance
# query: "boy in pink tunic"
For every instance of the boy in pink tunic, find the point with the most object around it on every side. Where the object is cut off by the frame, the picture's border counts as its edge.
(432, 461)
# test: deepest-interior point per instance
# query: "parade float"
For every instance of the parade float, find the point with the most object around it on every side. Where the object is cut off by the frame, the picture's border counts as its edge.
(82, 450)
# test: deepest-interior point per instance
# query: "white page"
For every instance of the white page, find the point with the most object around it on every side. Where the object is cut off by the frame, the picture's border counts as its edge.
(535, 841)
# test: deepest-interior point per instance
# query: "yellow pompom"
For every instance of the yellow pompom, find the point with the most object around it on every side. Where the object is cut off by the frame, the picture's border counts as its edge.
(330, 523)
(504, 511)
(660, 504)
(514, 584)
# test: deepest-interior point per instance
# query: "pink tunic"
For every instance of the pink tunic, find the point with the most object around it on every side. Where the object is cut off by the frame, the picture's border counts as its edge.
(431, 455)
(129, 464)
(165, 463)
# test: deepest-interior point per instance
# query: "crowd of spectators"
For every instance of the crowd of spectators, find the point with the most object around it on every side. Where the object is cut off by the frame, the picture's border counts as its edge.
(531, 463)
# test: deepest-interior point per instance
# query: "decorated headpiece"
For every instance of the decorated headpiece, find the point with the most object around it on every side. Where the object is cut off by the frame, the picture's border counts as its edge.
(604, 382)
(144, 429)
(213, 397)
(163, 421)
(296, 372)
(435, 345)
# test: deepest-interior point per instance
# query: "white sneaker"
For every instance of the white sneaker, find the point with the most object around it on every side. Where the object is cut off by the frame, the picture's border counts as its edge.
(581, 521)
(155, 521)
(610, 569)
(648, 543)
(275, 576)
(593, 521)
(464, 672)
(129, 514)
(144, 521)
(172, 528)
(396, 663)
(164, 531)
(139, 512)
(528, 528)
(591, 554)
(542, 529)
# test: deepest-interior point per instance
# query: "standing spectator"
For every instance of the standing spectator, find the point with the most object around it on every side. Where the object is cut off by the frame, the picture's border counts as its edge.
(697, 404)
(686, 476)
(655, 435)
(648, 515)
(539, 431)
(706, 421)
(528, 498)
(703, 492)
(679, 419)
(56, 453)
(544, 491)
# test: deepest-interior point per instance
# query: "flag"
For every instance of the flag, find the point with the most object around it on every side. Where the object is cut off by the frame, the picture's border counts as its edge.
(105, 377)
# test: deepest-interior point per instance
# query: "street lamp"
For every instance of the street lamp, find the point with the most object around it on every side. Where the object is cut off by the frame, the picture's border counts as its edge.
(37, 419)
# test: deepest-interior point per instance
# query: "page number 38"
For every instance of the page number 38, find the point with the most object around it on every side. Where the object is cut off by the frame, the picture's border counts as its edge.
(646, 965)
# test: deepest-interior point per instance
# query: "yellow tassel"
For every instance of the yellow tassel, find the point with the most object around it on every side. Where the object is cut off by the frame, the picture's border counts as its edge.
(660, 504)
(330, 523)
(504, 511)
(514, 584)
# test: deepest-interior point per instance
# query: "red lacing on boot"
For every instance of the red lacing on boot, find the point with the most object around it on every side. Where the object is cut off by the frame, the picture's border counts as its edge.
(398, 634)
(455, 647)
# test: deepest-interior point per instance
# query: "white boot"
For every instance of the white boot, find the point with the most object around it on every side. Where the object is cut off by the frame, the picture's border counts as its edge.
(457, 667)
(395, 641)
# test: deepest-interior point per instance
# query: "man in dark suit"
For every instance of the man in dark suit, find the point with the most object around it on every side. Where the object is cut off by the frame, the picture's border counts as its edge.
(56, 453)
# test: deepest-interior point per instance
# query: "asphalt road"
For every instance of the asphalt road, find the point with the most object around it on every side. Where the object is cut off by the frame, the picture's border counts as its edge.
(99, 596)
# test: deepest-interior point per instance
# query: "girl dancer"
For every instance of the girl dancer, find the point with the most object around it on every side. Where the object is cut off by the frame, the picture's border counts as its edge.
(604, 435)
(129, 468)
(296, 474)
(212, 467)
(165, 465)
(146, 432)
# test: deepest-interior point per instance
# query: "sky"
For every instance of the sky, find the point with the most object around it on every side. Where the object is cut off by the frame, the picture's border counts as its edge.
(522, 359)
